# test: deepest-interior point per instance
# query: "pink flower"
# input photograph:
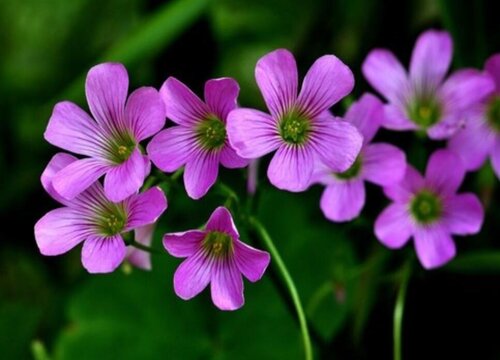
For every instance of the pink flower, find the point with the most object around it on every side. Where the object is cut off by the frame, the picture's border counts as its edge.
(215, 255)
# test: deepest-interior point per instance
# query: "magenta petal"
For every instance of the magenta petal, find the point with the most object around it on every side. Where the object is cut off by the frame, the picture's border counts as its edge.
(464, 214)
(200, 173)
(393, 226)
(495, 157)
(137, 257)
(276, 76)
(181, 104)
(366, 115)
(124, 180)
(227, 285)
(145, 113)
(72, 129)
(230, 159)
(183, 244)
(445, 171)
(78, 176)
(106, 88)
(383, 164)
(409, 185)
(327, 82)
(386, 74)
(251, 262)
(172, 148)
(193, 275)
(221, 95)
(431, 59)
(447, 126)
(145, 208)
(252, 133)
(291, 168)
(103, 254)
(434, 246)
(60, 230)
(343, 200)
(222, 221)
(492, 66)
(58, 162)
(396, 119)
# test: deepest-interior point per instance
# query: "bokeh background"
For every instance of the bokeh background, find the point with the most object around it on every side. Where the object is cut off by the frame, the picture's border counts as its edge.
(52, 309)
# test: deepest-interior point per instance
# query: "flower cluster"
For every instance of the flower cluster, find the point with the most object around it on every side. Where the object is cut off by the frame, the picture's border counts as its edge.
(104, 195)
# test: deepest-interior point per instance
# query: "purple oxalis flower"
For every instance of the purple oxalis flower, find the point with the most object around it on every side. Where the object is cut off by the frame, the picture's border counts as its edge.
(423, 99)
(429, 210)
(199, 141)
(379, 163)
(481, 136)
(111, 141)
(91, 218)
(299, 127)
(215, 255)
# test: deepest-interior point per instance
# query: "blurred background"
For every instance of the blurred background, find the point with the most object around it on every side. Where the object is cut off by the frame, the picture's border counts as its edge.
(50, 307)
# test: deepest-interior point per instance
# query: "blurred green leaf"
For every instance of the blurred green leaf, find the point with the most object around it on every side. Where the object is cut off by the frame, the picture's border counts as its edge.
(479, 262)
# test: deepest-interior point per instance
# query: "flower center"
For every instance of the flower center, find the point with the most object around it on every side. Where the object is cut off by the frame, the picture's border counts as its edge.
(426, 207)
(211, 133)
(218, 244)
(424, 112)
(295, 128)
(493, 113)
(112, 220)
(121, 148)
(352, 172)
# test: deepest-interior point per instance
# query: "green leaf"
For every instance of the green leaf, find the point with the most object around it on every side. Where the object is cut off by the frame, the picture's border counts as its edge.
(479, 262)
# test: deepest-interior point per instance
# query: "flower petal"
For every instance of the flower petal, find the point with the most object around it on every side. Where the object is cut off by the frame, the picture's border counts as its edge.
(396, 119)
(230, 159)
(252, 133)
(201, 173)
(183, 244)
(366, 115)
(182, 106)
(145, 208)
(172, 148)
(386, 74)
(251, 262)
(222, 221)
(495, 157)
(343, 200)
(106, 89)
(383, 164)
(58, 162)
(192, 276)
(227, 285)
(78, 176)
(393, 226)
(431, 59)
(434, 246)
(492, 66)
(445, 171)
(124, 180)
(327, 82)
(60, 230)
(145, 113)
(103, 254)
(447, 126)
(221, 96)
(276, 76)
(464, 214)
(139, 258)
(291, 168)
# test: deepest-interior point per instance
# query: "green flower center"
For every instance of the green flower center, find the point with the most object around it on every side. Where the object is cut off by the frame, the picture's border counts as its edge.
(211, 133)
(493, 113)
(218, 244)
(295, 128)
(352, 172)
(426, 207)
(424, 112)
(121, 148)
(112, 220)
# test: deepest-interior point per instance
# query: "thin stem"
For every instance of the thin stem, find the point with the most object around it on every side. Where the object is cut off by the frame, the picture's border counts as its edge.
(148, 249)
(289, 283)
(399, 310)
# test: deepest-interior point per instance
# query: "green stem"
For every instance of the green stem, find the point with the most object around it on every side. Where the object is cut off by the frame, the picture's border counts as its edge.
(399, 310)
(148, 249)
(289, 283)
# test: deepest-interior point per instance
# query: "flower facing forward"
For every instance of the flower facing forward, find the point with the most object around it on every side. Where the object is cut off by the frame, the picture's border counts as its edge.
(111, 141)
(91, 218)
(429, 210)
(199, 140)
(380, 163)
(215, 255)
(299, 126)
(480, 137)
(423, 99)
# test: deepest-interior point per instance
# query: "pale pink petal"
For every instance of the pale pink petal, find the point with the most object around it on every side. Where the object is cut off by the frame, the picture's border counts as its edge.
(183, 244)
(383, 164)
(393, 226)
(291, 168)
(201, 173)
(230, 159)
(251, 262)
(495, 157)
(124, 180)
(367, 115)
(145, 208)
(139, 258)
(145, 113)
(445, 171)
(222, 221)
(411, 183)
(227, 285)
(492, 66)
(221, 96)
(58, 162)
(434, 246)
(103, 254)
(343, 200)
(396, 119)
(463, 214)
(193, 275)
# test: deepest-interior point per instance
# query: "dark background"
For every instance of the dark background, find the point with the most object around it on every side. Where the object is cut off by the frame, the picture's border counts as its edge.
(346, 279)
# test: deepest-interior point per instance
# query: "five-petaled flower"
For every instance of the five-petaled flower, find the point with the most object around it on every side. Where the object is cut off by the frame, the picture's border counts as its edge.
(111, 141)
(215, 255)
(423, 99)
(92, 218)
(299, 127)
(430, 210)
